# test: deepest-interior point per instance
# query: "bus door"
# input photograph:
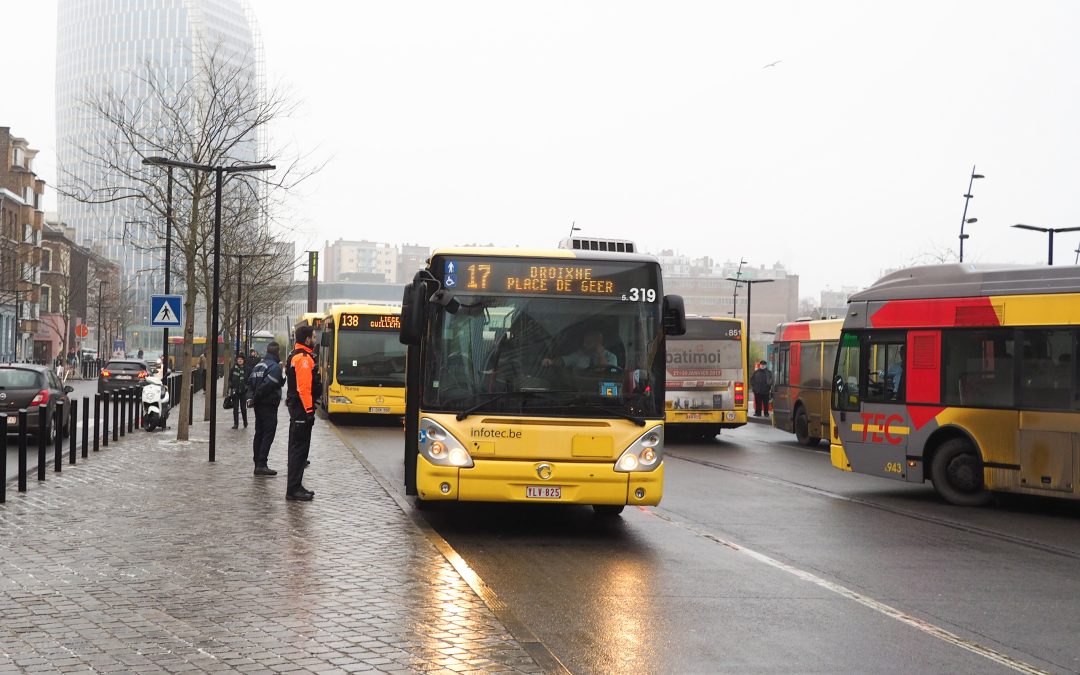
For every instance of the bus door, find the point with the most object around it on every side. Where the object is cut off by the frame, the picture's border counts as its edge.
(868, 403)
(1049, 429)
(785, 377)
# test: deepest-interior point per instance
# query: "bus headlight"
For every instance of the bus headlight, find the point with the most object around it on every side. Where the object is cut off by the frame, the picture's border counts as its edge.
(644, 454)
(440, 447)
(341, 399)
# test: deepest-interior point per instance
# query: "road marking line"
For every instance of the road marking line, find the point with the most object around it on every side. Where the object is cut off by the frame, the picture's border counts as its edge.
(877, 606)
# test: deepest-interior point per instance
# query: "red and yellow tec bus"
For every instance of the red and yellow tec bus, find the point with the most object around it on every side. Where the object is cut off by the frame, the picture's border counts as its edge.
(362, 361)
(706, 377)
(967, 375)
(803, 356)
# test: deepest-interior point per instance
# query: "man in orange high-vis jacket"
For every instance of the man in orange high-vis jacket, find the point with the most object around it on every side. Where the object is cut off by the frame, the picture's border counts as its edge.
(300, 401)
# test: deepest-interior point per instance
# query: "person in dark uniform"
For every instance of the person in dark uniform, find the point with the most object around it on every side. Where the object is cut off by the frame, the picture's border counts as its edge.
(238, 388)
(300, 401)
(266, 380)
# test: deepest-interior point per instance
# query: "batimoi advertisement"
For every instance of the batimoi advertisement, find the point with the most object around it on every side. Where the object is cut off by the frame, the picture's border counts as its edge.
(701, 373)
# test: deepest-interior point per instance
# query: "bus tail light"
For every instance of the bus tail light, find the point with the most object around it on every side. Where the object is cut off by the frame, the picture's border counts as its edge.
(440, 447)
(644, 454)
(740, 393)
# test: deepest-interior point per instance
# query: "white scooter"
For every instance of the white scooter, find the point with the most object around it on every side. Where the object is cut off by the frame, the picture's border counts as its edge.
(155, 404)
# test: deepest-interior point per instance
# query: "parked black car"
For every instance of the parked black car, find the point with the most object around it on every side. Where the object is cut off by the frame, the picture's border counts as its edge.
(122, 373)
(29, 386)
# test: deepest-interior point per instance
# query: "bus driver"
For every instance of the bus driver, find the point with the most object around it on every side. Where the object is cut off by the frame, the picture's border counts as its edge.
(591, 354)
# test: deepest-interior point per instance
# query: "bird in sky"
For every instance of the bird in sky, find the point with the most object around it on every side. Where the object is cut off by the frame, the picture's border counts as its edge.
(770, 65)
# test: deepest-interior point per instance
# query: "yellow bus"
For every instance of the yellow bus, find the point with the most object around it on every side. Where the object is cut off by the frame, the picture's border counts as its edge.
(803, 356)
(537, 376)
(706, 377)
(967, 375)
(313, 319)
(361, 361)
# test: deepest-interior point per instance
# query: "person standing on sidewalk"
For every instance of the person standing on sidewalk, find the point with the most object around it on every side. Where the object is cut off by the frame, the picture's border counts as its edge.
(238, 389)
(300, 402)
(761, 384)
(265, 385)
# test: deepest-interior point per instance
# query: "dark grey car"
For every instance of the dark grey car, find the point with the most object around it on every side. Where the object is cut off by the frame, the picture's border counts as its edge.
(122, 373)
(29, 386)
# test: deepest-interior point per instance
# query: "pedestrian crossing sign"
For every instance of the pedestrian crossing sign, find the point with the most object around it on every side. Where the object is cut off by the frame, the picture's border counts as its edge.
(166, 311)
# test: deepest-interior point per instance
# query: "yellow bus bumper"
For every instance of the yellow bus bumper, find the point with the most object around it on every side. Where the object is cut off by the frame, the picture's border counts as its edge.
(506, 480)
(692, 417)
(367, 405)
(839, 457)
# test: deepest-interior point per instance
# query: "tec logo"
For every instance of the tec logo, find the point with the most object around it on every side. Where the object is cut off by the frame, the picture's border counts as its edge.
(881, 428)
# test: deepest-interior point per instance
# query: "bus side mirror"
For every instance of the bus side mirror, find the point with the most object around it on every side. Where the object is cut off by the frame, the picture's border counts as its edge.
(674, 315)
(326, 340)
(413, 306)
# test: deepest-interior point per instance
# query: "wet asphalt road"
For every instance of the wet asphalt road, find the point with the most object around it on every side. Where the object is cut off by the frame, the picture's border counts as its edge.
(81, 388)
(763, 558)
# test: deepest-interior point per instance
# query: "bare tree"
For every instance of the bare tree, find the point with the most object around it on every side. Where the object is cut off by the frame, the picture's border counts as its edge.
(214, 118)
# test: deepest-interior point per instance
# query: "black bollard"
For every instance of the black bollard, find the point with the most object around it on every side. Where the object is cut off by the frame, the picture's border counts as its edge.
(58, 437)
(73, 430)
(97, 420)
(43, 437)
(117, 404)
(122, 403)
(134, 408)
(191, 405)
(85, 424)
(22, 450)
(3, 458)
(105, 421)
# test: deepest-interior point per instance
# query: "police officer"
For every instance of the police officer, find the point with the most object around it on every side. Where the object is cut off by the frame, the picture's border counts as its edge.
(300, 401)
(266, 398)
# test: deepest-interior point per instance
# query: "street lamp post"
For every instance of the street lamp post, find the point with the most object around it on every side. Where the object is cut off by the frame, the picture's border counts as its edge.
(100, 325)
(964, 220)
(749, 287)
(168, 261)
(219, 180)
(1049, 231)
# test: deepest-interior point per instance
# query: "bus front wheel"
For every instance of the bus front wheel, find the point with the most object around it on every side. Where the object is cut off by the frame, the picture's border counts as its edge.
(802, 429)
(957, 473)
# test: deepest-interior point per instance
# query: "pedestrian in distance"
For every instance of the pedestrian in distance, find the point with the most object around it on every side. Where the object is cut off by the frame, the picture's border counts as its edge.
(238, 390)
(303, 380)
(761, 383)
(265, 384)
(253, 360)
(140, 354)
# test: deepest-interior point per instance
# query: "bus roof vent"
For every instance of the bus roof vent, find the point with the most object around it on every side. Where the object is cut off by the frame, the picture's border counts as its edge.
(591, 244)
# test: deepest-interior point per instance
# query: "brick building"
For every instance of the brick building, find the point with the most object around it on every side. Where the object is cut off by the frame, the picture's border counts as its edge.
(21, 222)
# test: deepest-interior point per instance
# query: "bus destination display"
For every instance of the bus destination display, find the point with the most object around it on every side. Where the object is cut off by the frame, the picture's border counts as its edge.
(370, 322)
(631, 281)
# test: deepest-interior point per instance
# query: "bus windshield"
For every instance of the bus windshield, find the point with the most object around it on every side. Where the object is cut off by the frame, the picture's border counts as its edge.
(546, 356)
(370, 359)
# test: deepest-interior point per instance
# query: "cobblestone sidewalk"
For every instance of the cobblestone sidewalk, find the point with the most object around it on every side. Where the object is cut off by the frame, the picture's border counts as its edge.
(147, 558)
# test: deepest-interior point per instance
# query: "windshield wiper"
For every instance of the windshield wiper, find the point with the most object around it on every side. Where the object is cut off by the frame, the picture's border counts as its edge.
(502, 394)
(639, 421)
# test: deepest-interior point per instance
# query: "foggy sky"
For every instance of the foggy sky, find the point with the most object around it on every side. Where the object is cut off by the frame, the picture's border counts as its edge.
(504, 122)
